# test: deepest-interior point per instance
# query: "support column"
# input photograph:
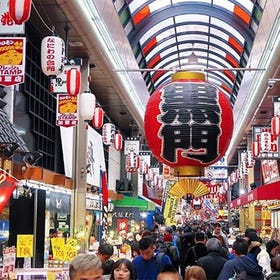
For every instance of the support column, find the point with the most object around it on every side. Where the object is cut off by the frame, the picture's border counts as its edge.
(78, 207)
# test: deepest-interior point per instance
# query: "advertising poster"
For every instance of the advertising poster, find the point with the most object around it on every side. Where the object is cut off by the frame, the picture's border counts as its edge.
(12, 60)
(67, 110)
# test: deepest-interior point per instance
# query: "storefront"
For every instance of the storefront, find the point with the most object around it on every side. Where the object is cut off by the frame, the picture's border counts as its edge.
(130, 214)
(255, 208)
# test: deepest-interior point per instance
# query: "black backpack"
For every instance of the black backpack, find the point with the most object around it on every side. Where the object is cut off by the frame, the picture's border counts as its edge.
(170, 250)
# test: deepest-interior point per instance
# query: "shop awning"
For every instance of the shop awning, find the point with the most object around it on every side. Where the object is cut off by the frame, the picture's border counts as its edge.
(265, 192)
(128, 201)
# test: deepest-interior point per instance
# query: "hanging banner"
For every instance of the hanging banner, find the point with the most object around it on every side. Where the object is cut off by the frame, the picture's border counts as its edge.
(12, 60)
(122, 226)
(7, 25)
(170, 209)
(66, 110)
(131, 145)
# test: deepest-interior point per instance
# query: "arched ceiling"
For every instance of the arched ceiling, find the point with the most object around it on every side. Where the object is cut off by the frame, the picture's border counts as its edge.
(215, 35)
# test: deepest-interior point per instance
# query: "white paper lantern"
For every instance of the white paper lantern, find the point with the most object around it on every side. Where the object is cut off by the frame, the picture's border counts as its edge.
(87, 102)
(19, 10)
(52, 55)
(108, 133)
(132, 162)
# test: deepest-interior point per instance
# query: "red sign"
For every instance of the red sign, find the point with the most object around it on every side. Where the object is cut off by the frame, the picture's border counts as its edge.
(12, 60)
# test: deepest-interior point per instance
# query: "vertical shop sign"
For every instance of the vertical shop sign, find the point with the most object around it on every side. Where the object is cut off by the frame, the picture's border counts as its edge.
(170, 209)
(273, 152)
(7, 25)
(105, 197)
(12, 60)
(67, 110)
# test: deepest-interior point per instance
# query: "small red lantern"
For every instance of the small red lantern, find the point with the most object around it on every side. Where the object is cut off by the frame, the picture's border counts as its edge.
(118, 141)
(256, 149)
(73, 81)
(108, 133)
(275, 126)
(98, 116)
(19, 10)
(188, 122)
(52, 55)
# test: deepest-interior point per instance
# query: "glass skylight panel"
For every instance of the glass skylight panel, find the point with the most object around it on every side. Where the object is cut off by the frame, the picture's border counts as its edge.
(156, 28)
(158, 4)
(246, 4)
(222, 77)
(159, 47)
(191, 18)
(163, 79)
(165, 34)
(202, 1)
(227, 28)
(135, 4)
(192, 28)
(219, 33)
(224, 4)
(168, 51)
(192, 37)
(225, 46)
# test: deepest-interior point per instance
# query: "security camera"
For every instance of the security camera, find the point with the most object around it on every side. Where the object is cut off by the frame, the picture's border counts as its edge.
(271, 83)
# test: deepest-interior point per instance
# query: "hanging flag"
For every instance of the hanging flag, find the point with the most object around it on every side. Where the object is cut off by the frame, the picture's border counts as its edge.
(105, 197)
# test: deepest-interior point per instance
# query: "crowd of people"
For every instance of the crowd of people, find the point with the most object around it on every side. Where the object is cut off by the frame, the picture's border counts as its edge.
(184, 253)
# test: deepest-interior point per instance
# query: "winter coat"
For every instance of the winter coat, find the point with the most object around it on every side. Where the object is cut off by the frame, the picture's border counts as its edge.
(240, 264)
(275, 275)
(212, 263)
(190, 258)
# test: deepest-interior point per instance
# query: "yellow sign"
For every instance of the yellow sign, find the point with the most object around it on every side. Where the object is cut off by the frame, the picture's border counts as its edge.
(170, 209)
(58, 248)
(70, 249)
(24, 245)
(51, 275)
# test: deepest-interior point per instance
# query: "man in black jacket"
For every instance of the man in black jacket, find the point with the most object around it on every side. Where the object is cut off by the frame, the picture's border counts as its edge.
(214, 261)
(197, 251)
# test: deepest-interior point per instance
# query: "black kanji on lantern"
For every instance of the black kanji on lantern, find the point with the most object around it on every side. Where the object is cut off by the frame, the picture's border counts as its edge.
(190, 118)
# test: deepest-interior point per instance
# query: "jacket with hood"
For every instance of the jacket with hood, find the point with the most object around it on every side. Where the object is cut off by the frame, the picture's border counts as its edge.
(239, 265)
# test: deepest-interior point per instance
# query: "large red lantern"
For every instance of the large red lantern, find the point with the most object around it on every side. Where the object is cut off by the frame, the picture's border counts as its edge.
(188, 122)
(52, 55)
(73, 81)
(275, 126)
(98, 116)
(19, 10)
